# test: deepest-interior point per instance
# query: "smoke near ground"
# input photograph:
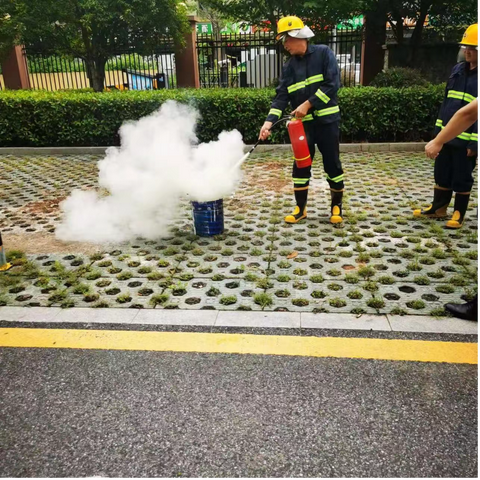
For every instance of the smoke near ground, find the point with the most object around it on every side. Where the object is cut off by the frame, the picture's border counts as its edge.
(157, 164)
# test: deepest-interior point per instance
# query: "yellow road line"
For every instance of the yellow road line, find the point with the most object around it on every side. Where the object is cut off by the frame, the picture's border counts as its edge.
(368, 348)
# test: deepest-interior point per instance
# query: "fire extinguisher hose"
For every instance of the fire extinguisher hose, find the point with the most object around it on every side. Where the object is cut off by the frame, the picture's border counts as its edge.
(239, 163)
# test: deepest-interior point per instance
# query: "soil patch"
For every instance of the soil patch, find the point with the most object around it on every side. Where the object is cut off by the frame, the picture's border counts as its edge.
(46, 243)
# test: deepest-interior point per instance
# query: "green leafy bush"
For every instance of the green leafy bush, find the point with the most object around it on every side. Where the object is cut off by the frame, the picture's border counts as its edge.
(399, 77)
(55, 64)
(71, 118)
(68, 64)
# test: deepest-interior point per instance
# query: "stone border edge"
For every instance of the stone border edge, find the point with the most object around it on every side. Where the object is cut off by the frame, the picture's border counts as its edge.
(225, 319)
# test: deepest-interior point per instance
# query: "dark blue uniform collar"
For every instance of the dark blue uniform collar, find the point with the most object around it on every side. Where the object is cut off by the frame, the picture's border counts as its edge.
(467, 68)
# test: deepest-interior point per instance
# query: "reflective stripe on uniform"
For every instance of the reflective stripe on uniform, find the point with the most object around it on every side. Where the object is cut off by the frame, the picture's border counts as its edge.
(300, 181)
(295, 87)
(304, 83)
(308, 117)
(314, 79)
(474, 137)
(327, 111)
(460, 96)
(275, 111)
(322, 96)
(336, 179)
(439, 123)
(464, 135)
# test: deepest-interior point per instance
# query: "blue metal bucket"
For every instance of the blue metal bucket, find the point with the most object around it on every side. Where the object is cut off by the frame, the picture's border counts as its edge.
(208, 218)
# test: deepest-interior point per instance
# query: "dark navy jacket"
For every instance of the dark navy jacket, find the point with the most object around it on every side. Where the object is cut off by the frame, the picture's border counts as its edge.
(313, 76)
(461, 89)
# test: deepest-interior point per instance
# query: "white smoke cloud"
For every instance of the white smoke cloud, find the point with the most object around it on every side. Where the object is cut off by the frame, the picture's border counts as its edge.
(157, 164)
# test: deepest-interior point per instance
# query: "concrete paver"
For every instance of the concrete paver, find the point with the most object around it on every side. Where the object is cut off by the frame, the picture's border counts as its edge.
(258, 319)
(176, 317)
(212, 318)
(418, 323)
(346, 321)
(380, 261)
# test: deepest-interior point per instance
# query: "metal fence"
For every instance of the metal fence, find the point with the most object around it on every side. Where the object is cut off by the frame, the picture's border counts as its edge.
(346, 44)
(254, 59)
(238, 60)
(124, 70)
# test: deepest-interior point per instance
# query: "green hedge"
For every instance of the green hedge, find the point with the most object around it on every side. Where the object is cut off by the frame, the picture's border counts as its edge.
(399, 77)
(85, 118)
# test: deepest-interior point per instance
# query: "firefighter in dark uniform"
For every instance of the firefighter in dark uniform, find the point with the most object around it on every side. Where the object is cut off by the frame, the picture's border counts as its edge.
(459, 123)
(456, 161)
(310, 81)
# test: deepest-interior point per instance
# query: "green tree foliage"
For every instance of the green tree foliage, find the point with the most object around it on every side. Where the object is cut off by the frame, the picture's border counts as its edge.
(316, 13)
(9, 34)
(94, 30)
(443, 15)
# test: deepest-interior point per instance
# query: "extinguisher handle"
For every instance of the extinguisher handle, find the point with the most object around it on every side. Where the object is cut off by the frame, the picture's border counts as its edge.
(283, 119)
(239, 163)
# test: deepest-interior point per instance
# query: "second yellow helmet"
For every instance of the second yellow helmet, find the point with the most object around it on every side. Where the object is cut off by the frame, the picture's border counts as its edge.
(470, 37)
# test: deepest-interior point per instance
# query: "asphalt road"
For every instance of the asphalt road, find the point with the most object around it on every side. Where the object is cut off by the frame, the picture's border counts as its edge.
(74, 413)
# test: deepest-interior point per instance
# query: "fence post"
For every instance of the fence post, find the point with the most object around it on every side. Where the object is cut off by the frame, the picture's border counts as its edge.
(14, 68)
(186, 61)
(372, 45)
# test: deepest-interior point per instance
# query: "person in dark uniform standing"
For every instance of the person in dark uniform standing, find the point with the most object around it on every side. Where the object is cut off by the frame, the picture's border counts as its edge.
(459, 123)
(456, 161)
(310, 81)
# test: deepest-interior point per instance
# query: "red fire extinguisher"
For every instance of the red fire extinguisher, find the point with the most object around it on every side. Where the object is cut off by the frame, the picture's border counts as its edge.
(301, 152)
(298, 138)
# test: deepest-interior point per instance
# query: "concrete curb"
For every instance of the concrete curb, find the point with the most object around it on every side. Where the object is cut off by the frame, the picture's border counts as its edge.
(214, 318)
(344, 148)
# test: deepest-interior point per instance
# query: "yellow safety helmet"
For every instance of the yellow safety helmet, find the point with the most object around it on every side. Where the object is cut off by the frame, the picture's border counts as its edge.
(470, 37)
(294, 27)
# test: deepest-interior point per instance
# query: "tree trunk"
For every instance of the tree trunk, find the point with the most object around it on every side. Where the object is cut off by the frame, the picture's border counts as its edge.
(396, 23)
(373, 53)
(399, 31)
(95, 64)
(416, 38)
(96, 73)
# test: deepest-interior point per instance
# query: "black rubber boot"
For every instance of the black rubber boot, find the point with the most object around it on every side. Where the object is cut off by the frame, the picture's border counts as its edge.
(465, 311)
(336, 206)
(300, 212)
(438, 208)
(301, 196)
(459, 210)
(297, 215)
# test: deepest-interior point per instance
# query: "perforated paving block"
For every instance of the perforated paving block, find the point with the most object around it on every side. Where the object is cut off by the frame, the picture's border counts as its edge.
(380, 260)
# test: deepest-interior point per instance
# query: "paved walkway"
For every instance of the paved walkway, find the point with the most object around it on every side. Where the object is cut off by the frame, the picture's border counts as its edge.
(381, 261)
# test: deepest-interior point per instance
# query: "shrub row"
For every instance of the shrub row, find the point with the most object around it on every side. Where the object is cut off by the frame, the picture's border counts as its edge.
(83, 118)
